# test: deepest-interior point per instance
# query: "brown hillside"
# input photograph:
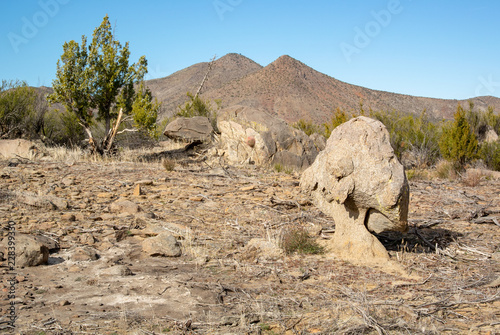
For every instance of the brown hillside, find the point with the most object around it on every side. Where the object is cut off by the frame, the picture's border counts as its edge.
(292, 90)
(172, 90)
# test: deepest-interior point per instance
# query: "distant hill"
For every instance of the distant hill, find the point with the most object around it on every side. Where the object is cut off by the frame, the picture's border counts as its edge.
(292, 90)
(172, 90)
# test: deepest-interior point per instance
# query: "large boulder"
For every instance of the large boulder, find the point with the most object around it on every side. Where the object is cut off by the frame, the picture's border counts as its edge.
(164, 245)
(18, 147)
(252, 135)
(29, 251)
(359, 182)
(192, 129)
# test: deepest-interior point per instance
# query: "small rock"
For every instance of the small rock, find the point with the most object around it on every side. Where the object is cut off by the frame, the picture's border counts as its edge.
(118, 270)
(105, 195)
(138, 191)
(144, 182)
(124, 206)
(64, 303)
(68, 217)
(247, 188)
(83, 254)
(164, 245)
(87, 238)
(68, 181)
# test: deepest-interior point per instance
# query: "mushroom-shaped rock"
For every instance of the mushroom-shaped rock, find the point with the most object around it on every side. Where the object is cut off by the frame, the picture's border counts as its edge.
(359, 182)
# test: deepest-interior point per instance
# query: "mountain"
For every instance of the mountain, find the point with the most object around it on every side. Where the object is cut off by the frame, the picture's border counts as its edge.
(292, 90)
(172, 90)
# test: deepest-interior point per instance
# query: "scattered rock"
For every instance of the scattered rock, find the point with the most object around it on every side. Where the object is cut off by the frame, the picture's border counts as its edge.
(29, 251)
(144, 182)
(68, 181)
(46, 202)
(138, 191)
(164, 245)
(68, 217)
(124, 206)
(118, 270)
(84, 254)
(358, 181)
(87, 238)
(259, 248)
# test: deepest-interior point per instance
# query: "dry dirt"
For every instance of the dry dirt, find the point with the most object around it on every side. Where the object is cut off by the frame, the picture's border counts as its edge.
(222, 286)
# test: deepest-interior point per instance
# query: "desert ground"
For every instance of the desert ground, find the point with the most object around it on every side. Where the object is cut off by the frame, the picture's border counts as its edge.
(233, 276)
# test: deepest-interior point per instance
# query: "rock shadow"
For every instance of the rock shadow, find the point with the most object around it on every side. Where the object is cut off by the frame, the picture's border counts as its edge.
(421, 240)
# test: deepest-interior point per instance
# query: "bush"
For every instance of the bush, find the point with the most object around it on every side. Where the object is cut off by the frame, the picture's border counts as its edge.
(489, 153)
(307, 127)
(458, 142)
(298, 240)
(339, 116)
(21, 110)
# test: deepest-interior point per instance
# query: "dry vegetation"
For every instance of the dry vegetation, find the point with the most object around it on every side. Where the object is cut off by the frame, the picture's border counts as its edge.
(223, 284)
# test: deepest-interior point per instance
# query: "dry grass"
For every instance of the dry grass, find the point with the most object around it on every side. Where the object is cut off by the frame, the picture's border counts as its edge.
(472, 178)
(444, 170)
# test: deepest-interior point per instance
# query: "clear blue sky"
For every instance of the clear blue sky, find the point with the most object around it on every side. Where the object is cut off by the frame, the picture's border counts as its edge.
(443, 49)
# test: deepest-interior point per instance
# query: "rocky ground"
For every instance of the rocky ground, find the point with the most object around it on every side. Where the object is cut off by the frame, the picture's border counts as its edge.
(106, 275)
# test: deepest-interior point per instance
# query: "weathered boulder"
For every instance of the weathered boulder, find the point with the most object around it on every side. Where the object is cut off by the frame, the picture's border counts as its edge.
(164, 245)
(192, 129)
(18, 147)
(29, 251)
(358, 181)
(252, 135)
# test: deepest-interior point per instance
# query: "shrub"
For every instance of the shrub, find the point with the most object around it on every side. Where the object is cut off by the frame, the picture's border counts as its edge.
(22, 110)
(458, 143)
(489, 153)
(298, 240)
(445, 170)
(339, 116)
(307, 127)
(168, 164)
(472, 178)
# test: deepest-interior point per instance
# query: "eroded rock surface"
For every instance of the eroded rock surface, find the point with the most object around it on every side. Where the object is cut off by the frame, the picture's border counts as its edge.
(250, 135)
(358, 181)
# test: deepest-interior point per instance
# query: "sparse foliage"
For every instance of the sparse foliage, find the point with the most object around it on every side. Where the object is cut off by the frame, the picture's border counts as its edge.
(308, 127)
(339, 116)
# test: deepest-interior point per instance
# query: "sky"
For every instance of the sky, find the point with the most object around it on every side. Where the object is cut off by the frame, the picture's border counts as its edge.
(441, 49)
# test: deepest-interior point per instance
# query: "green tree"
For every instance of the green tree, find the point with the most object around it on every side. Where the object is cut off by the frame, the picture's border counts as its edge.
(458, 142)
(98, 78)
(145, 111)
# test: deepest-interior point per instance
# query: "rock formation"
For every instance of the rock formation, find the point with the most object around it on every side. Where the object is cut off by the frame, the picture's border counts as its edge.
(197, 128)
(251, 135)
(358, 181)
